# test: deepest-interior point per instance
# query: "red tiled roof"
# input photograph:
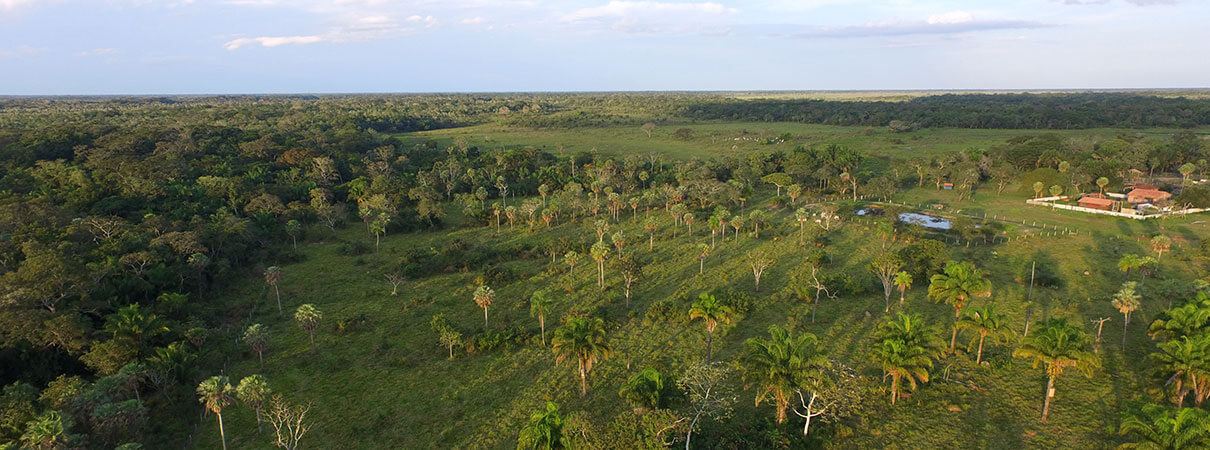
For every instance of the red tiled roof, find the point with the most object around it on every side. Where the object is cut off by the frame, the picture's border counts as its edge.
(1096, 201)
(1148, 194)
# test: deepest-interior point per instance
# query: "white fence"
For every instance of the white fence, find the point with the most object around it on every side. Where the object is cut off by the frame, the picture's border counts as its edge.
(1050, 202)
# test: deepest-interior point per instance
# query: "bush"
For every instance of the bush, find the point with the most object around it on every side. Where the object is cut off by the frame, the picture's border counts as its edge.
(353, 248)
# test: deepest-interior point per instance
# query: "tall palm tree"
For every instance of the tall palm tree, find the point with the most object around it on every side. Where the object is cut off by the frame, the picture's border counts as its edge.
(253, 391)
(484, 296)
(711, 310)
(582, 338)
(903, 281)
(1059, 346)
(272, 278)
(905, 350)
(987, 322)
(600, 253)
(539, 305)
(308, 319)
(781, 365)
(544, 430)
(1160, 244)
(1126, 301)
(216, 394)
(1166, 428)
(257, 338)
(1185, 362)
(960, 282)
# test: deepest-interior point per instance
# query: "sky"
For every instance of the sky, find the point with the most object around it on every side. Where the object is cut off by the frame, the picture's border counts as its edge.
(337, 46)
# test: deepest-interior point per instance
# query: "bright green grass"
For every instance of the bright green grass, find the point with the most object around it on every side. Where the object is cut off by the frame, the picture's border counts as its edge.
(391, 386)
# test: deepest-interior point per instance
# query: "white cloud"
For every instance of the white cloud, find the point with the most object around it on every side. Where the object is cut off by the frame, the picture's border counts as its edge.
(97, 52)
(472, 21)
(951, 17)
(272, 41)
(9, 5)
(654, 17)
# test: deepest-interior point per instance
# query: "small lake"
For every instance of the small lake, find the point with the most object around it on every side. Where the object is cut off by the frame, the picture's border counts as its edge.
(926, 221)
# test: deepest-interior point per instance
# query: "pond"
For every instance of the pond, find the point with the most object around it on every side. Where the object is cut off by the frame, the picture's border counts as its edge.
(926, 221)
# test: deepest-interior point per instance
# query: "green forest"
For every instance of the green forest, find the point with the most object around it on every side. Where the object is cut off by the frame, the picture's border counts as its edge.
(601, 271)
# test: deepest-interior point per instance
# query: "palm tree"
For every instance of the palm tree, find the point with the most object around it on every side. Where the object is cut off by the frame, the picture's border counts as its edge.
(272, 277)
(544, 430)
(571, 258)
(649, 389)
(582, 338)
(130, 324)
(308, 319)
(713, 312)
(1126, 301)
(1060, 345)
(253, 391)
(600, 252)
(539, 305)
(1166, 428)
(257, 337)
(956, 286)
(1160, 244)
(47, 431)
(483, 297)
(905, 350)
(1129, 262)
(987, 322)
(1185, 320)
(781, 365)
(1182, 362)
(903, 281)
(215, 393)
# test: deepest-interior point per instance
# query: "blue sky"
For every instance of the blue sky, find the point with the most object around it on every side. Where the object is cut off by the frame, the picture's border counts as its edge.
(283, 46)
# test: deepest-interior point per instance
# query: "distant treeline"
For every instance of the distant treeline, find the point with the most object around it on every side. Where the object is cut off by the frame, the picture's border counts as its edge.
(1035, 111)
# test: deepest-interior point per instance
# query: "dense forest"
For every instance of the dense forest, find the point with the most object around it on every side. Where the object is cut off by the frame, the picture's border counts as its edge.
(130, 227)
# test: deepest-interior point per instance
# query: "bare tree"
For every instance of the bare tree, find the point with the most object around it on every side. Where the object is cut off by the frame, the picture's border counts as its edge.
(289, 422)
(395, 279)
(759, 262)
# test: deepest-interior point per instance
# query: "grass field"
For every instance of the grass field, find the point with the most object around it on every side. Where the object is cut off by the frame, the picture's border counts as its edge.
(387, 382)
(716, 139)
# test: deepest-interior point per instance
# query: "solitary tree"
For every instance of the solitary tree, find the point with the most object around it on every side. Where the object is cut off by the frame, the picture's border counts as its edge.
(215, 393)
(802, 216)
(446, 334)
(308, 319)
(582, 338)
(905, 349)
(986, 322)
(253, 391)
(707, 393)
(778, 179)
(294, 228)
(289, 422)
(257, 337)
(709, 309)
(781, 365)
(956, 286)
(272, 276)
(1101, 183)
(600, 253)
(1038, 187)
(544, 430)
(885, 267)
(649, 389)
(632, 270)
(1160, 244)
(1060, 345)
(903, 281)
(539, 306)
(650, 226)
(1126, 300)
(483, 297)
(759, 261)
(571, 258)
